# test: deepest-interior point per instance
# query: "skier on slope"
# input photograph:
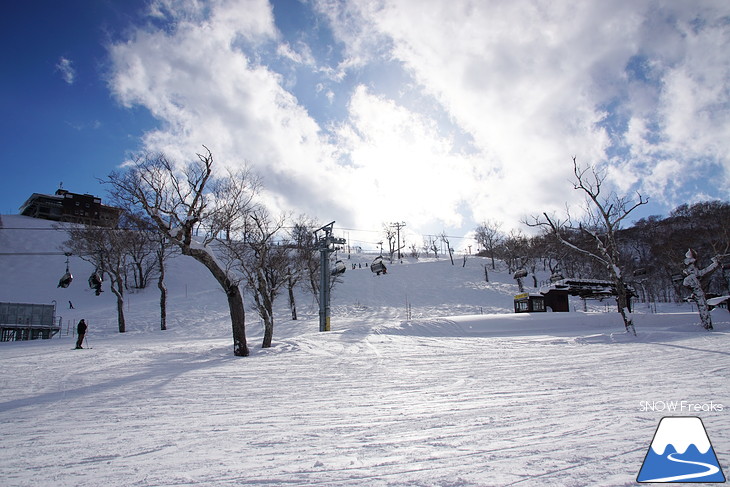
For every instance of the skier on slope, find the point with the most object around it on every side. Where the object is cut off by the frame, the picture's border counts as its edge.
(81, 331)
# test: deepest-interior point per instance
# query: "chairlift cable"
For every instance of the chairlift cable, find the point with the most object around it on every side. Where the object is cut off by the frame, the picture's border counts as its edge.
(67, 254)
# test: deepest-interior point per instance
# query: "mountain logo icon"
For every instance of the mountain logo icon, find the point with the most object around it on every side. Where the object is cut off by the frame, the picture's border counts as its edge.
(681, 452)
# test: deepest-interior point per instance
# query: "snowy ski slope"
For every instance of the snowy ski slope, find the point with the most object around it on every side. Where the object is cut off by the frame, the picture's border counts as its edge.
(465, 393)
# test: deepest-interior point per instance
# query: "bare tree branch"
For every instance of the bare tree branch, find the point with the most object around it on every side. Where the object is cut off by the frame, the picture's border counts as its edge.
(603, 218)
(178, 202)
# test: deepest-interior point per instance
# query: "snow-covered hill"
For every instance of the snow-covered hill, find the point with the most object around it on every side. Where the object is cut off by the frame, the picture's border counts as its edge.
(463, 393)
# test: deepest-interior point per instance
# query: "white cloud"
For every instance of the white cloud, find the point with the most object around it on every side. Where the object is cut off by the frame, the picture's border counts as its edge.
(400, 165)
(65, 67)
(522, 80)
(205, 89)
(448, 113)
(532, 83)
(696, 97)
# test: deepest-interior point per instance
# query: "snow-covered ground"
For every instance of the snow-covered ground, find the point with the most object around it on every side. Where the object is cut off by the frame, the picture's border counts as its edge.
(465, 393)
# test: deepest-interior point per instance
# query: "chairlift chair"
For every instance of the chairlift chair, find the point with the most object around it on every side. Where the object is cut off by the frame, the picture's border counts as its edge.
(557, 276)
(519, 274)
(95, 281)
(377, 266)
(339, 268)
(66, 279)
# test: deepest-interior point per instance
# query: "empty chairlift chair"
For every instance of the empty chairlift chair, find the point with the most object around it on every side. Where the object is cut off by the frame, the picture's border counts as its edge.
(339, 268)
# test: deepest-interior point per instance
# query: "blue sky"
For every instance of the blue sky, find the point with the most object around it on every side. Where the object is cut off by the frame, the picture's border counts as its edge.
(60, 123)
(438, 113)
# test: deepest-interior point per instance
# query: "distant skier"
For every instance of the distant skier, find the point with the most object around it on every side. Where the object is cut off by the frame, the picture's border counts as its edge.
(81, 331)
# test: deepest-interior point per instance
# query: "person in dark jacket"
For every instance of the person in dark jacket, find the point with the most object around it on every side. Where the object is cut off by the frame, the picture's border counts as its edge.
(81, 331)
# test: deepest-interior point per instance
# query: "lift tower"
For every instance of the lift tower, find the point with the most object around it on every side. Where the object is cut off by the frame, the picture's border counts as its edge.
(326, 245)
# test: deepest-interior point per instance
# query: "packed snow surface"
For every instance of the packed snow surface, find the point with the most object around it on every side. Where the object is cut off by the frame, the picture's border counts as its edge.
(426, 379)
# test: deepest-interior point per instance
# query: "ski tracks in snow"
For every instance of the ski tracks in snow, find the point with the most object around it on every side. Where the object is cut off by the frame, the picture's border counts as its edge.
(347, 407)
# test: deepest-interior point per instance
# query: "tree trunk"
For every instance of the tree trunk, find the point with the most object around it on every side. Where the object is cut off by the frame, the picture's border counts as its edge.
(163, 297)
(267, 308)
(268, 331)
(314, 285)
(238, 321)
(142, 284)
(118, 289)
(292, 303)
(624, 305)
(233, 293)
(120, 315)
(704, 309)
(693, 282)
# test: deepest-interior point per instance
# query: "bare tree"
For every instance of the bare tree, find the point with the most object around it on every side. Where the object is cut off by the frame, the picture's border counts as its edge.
(149, 251)
(179, 202)
(697, 280)
(233, 200)
(264, 265)
(141, 247)
(489, 236)
(551, 253)
(107, 249)
(657, 243)
(390, 236)
(513, 250)
(415, 253)
(445, 239)
(430, 244)
(303, 262)
(162, 252)
(604, 215)
(306, 256)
